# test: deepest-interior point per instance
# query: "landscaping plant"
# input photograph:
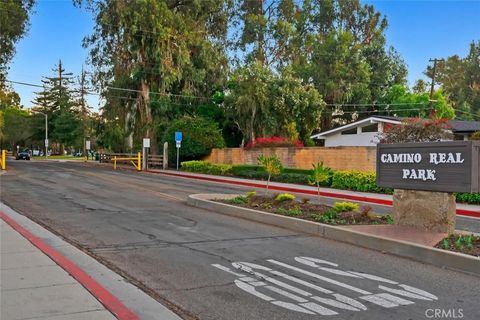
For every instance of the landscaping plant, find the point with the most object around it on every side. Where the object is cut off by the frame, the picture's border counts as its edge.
(272, 165)
(285, 197)
(319, 175)
(345, 206)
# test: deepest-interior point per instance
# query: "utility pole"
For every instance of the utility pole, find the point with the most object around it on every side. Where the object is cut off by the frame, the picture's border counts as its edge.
(433, 84)
(83, 111)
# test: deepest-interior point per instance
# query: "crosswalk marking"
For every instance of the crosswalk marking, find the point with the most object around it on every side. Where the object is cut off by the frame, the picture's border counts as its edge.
(259, 281)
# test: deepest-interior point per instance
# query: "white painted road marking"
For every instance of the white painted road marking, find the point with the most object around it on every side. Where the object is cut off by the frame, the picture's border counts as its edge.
(300, 300)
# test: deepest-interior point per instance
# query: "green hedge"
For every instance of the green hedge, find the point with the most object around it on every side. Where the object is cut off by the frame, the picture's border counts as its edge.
(346, 180)
(473, 198)
(357, 181)
(206, 167)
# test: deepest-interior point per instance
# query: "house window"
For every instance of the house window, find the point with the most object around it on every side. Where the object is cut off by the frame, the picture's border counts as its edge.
(350, 131)
(370, 128)
(458, 137)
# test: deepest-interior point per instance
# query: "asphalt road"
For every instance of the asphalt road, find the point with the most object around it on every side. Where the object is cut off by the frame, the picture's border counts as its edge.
(205, 265)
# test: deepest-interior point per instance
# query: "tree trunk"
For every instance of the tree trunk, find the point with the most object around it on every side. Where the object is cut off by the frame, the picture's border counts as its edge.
(148, 121)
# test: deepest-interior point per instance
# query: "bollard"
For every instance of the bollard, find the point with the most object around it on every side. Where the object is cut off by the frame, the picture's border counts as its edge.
(139, 167)
(3, 160)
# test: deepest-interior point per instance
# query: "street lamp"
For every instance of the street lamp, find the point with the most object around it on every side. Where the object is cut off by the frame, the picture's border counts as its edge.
(46, 132)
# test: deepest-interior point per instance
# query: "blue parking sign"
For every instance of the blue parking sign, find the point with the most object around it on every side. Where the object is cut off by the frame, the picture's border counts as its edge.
(178, 136)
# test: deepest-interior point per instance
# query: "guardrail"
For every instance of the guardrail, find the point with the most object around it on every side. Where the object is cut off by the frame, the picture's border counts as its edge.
(124, 158)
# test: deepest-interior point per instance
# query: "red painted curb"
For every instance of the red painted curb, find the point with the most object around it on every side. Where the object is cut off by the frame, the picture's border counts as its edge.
(461, 212)
(111, 303)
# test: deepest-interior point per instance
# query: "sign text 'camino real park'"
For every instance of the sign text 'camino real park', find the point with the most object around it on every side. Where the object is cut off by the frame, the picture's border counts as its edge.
(451, 166)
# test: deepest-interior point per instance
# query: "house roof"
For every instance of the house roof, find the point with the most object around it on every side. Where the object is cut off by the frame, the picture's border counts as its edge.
(457, 126)
(376, 119)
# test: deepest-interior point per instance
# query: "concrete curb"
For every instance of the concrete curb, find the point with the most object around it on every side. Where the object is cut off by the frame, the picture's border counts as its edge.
(437, 257)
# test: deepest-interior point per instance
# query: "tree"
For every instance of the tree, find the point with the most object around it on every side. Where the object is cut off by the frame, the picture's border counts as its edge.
(249, 99)
(417, 130)
(8, 97)
(460, 80)
(57, 101)
(295, 106)
(14, 22)
(320, 174)
(16, 126)
(171, 50)
(200, 136)
(272, 165)
(399, 101)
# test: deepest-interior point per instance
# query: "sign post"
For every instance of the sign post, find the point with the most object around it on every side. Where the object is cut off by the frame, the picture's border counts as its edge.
(87, 147)
(425, 176)
(146, 145)
(178, 142)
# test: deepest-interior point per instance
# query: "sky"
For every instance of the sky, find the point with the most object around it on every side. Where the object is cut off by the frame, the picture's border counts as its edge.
(418, 30)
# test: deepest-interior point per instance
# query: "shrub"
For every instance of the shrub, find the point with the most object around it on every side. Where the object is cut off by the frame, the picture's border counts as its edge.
(345, 206)
(475, 136)
(206, 167)
(272, 165)
(473, 198)
(358, 181)
(285, 197)
(250, 194)
(199, 137)
(417, 130)
(272, 142)
(238, 200)
(319, 175)
(294, 212)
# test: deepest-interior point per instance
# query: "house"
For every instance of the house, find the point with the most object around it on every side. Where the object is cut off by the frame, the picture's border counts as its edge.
(365, 132)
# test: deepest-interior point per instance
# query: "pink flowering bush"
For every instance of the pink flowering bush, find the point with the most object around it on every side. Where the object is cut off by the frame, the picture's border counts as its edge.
(274, 141)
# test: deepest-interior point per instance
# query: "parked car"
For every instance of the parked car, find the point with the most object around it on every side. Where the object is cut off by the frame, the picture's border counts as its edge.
(24, 155)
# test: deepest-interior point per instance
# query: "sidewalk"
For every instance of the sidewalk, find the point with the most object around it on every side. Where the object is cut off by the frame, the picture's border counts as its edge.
(34, 286)
(382, 199)
(44, 277)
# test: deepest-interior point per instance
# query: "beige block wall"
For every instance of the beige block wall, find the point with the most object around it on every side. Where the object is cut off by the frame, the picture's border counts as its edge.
(337, 158)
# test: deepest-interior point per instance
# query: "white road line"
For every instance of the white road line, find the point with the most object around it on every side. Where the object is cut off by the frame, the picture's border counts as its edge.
(379, 301)
(418, 291)
(226, 269)
(395, 299)
(300, 281)
(350, 301)
(272, 280)
(286, 294)
(292, 307)
(314, 275)
(335, 303)
(319, 309)
(373, 277)
(404, 293)
(251, 289)
(318, 261)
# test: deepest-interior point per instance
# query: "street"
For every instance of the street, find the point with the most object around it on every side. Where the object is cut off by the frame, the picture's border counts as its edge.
(205, 265)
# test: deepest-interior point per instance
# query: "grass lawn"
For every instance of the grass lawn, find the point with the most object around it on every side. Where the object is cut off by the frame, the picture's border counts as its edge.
(60, 158)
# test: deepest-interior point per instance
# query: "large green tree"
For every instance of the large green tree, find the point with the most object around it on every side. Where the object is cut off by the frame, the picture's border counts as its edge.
(14, 22)
(460, 79)
(171, 50)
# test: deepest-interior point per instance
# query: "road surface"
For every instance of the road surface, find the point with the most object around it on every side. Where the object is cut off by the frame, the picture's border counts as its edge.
(205, 265)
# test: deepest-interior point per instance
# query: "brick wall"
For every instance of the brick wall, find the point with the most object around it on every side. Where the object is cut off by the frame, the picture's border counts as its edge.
(337, 158)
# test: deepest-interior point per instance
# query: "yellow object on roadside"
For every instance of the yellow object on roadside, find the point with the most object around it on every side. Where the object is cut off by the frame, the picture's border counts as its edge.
(3, 160)
(138, 165)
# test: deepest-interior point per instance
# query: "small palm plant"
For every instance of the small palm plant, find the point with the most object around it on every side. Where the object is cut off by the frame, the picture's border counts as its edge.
(319, 174)
(272, 165)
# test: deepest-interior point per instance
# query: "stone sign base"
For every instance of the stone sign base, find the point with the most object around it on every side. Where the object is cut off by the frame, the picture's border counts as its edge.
(428, 210)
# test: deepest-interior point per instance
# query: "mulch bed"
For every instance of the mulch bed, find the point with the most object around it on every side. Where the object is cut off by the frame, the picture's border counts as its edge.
(307, 211)
(468, 244)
